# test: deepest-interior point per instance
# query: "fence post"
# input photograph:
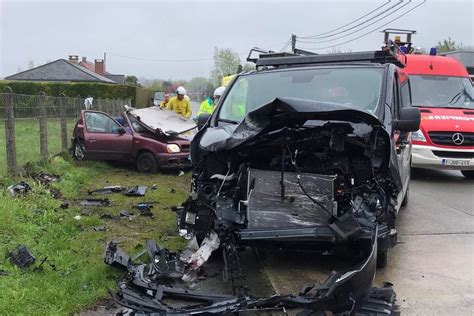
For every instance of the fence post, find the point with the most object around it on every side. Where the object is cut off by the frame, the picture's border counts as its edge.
(10, 131)
(63, 120)
(43, 126)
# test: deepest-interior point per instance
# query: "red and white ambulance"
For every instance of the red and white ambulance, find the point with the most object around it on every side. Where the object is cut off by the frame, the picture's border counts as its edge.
(443, 91)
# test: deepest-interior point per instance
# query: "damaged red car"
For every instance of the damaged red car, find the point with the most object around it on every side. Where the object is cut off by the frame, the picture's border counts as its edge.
(151, 138)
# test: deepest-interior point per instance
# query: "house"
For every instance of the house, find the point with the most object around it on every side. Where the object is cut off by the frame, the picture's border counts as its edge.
(70, 70)
(466, 57)
(98, 66)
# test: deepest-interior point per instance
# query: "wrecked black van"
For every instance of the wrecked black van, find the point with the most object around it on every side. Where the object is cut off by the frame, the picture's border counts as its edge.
(306, 151)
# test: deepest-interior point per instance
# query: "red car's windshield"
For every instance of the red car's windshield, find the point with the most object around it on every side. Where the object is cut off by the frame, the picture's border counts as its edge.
(442, 91)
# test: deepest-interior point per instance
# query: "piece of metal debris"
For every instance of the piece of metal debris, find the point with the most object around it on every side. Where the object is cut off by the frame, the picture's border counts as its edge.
(145, 209)
(100, 229)
(45, 179)
(21, 257)
(136, 191)
(125, 214)
(154, 187)
(108, 189)
(94, 202)
(64, 205)
(181, 173)
(19, 189)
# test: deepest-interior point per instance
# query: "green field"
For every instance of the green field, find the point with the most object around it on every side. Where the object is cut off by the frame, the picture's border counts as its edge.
(28, 143)
(74, 276)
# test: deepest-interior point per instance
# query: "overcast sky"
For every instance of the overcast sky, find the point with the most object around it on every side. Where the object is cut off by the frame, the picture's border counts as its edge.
(175, 39)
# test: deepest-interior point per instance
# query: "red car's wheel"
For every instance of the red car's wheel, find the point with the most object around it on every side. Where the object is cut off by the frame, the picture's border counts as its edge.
(78, 150)
(146, 162)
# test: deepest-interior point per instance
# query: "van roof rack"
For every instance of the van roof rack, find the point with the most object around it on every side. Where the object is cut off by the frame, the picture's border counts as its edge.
(389, 54)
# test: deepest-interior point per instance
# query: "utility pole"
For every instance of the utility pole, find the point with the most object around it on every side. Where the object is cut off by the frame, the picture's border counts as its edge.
(293, 42)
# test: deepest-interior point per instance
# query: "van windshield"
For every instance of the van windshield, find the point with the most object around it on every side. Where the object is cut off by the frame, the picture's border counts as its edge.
(358, 88)
(442, 91)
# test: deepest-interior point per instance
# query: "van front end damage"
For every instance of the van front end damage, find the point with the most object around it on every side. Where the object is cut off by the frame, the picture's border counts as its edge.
(295, 173)
(151, 290)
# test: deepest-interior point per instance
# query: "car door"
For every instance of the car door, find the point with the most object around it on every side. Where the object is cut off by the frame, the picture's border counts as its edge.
(401, 139)
(104, 138)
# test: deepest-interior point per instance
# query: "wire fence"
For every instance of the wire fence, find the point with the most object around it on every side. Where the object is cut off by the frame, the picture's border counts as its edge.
(33, 127)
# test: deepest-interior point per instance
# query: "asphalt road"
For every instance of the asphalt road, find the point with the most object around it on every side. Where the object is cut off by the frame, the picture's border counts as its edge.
(432, 265)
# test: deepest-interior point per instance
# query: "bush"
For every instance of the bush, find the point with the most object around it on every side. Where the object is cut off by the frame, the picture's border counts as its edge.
(79, 89)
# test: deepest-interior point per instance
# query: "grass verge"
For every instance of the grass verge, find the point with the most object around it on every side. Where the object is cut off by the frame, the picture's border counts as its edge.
(74, 275)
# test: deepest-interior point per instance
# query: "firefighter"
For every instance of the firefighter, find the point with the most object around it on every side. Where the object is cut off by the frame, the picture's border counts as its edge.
(209, 104)
(180, 103)
(164, 103)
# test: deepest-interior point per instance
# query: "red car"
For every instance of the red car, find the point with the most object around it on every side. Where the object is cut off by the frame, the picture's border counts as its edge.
(443, 91)
(152, 138)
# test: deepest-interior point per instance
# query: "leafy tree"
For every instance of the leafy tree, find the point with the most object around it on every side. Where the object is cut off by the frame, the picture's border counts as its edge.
(226, 62)
(447, 45)
(248, 67)
(133, 80)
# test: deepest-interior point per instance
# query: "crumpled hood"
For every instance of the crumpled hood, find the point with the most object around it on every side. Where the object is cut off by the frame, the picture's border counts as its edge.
(277, 114)
(167, 121)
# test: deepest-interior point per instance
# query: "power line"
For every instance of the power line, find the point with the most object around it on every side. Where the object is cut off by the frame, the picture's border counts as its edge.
(324, 35)
(362, 28)
(371, 31)
(162, 60)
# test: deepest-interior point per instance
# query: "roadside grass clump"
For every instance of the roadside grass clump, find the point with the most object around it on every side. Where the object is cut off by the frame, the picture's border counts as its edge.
(73, 275)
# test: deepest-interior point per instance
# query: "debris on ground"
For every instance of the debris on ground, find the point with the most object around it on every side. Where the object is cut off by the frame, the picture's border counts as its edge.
(172, 191)
(21, 257)
(154, 187)
(77, 217)
(125, 214)
(21, 188)
(64, 205)
(137, 191)
(94, 202)
(108, 189)
(100, 229)
(45, 179)
(145, 209)
(181, 173)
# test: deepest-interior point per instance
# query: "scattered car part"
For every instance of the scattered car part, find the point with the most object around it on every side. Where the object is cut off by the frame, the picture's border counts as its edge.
(108, 189)
(21, 188)
(21, 257)
(342, 293)
(145, 209)
(137, 191)
(45, 179)
(94, 202)
(100, 229)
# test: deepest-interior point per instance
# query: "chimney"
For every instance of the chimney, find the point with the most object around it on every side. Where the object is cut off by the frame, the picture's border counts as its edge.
(73, 59)
(84, 59)
(99, 67)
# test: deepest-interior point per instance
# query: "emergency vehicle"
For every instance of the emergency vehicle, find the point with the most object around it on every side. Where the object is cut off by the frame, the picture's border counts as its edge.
(442, 90)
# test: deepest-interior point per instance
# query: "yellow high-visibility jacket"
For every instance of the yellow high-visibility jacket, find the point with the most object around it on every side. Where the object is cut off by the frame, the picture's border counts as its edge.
(181, 107)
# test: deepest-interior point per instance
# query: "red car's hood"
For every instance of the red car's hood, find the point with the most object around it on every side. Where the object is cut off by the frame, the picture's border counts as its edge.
(447, 120)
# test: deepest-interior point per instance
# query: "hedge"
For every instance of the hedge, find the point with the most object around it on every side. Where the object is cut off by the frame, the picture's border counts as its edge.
(81, 90)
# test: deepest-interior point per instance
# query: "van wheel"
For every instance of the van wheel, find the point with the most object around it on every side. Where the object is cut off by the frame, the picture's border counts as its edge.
(382, 259)
(468, 173)
(146, 162)
(78, 151)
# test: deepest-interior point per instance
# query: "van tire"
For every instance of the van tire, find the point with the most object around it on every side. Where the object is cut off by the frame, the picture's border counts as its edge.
(468, 173)
(146, 162)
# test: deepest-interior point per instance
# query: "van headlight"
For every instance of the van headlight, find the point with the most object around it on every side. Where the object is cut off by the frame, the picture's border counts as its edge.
(172, 148)
(418, 136)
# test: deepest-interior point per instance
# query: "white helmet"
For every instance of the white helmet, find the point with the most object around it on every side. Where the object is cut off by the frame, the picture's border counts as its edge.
(219, 91)
(181, 91)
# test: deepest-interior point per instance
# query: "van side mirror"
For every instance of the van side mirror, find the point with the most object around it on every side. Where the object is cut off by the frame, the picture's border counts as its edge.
(409, 120)
(202, 120)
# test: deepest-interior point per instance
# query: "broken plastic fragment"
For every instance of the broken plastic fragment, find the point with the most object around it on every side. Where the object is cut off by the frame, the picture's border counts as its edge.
(210, 243)
(19, 189)
(136, 191)
(77, 217)
(21, 257)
